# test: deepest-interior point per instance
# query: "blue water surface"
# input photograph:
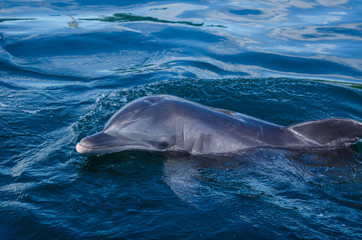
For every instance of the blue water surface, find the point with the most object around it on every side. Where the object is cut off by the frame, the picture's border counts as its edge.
(67, 66)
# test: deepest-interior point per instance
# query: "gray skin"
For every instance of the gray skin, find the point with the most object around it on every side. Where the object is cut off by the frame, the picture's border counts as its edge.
(168, 123)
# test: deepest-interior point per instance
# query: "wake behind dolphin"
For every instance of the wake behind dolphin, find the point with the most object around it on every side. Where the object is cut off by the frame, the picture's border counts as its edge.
(169, 123)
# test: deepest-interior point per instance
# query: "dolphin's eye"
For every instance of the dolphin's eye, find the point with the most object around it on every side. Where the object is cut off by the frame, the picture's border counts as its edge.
(163, 145)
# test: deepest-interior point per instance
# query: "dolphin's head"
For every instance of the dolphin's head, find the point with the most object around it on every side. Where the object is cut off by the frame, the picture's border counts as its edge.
(144, 124)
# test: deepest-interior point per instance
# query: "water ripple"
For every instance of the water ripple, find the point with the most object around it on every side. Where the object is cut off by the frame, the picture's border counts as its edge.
(67, 66)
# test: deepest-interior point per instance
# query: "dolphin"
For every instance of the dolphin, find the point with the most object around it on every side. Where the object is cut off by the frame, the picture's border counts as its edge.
(168, 123)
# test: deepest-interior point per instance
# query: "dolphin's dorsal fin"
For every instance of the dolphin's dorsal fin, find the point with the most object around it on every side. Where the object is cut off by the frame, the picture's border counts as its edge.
(329, 132)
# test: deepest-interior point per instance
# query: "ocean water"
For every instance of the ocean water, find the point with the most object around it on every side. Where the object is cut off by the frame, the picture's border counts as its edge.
(67, 66)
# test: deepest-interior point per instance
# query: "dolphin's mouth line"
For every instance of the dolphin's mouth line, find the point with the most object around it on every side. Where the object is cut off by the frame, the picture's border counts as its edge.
(102, 150)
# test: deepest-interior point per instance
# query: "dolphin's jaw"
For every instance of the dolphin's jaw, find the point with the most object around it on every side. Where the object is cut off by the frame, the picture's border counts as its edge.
(103, 143)
(99, 143)
(96, 150)
(80, 148)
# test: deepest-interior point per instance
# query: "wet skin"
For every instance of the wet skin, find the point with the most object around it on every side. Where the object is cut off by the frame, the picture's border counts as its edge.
(169, 123)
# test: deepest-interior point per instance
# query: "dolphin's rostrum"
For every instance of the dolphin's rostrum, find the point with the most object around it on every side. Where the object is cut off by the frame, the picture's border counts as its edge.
(169, 123)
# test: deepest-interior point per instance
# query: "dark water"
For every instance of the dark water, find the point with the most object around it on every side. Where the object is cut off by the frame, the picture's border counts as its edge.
(67, 66)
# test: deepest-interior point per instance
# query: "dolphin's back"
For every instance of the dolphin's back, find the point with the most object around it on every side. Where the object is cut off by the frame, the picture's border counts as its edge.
(328, 132)
(253, 132)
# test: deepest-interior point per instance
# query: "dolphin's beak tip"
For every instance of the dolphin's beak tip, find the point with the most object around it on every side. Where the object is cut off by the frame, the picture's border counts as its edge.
(96, 143)
(80, 148)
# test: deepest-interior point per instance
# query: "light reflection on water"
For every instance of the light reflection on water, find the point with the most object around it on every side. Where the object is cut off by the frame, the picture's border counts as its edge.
(185, 32)
(67, 66)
